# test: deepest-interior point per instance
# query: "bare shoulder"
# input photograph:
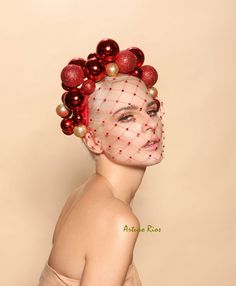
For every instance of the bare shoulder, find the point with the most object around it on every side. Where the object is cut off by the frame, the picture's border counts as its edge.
(109, 251)
(110, 212)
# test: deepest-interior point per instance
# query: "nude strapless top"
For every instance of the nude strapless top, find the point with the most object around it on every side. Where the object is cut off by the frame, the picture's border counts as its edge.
(50, 277)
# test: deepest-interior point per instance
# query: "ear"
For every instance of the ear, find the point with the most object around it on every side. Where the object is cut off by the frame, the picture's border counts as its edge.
(92, 143)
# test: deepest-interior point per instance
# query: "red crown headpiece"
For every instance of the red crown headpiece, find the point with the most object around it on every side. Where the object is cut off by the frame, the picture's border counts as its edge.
(79, 79)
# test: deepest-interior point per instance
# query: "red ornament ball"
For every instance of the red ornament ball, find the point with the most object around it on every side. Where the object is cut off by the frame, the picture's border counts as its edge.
(67, 126)
(158, 104)
(77, 118)
(93, 55)
(137, 72)
(73, 99)
(126, 61)
(108, 50)
(95, 70)
(149, 75)
(63, 97)
(72, 75)
(139, 54)
(78, 61)
(67, 88)
(88, 86)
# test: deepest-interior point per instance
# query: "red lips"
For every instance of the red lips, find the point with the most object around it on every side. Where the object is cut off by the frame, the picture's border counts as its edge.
(152, 141)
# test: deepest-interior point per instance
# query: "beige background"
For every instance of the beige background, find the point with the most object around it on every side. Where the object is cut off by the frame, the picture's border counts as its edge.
(190, 195)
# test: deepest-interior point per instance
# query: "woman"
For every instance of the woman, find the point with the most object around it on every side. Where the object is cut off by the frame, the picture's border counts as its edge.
(91, 245)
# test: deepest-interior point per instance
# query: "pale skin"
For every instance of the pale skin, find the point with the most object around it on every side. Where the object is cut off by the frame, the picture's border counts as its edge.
(89, 231)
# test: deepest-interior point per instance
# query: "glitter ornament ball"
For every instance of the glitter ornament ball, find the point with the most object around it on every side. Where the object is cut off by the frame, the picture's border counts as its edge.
(88, 86)
(80, 130)
(112, 69)
(62, 111)
(108, 50)
(72, 75)
(126, 61)
(95, 70)
(149, 75)
(139, 54)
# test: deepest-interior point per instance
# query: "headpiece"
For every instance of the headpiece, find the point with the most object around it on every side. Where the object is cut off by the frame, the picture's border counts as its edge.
(79, 79)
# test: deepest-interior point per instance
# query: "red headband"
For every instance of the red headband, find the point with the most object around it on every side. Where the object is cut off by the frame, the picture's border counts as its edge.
(79, 79)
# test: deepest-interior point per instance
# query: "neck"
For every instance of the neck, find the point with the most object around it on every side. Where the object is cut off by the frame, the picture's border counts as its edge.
(123, 180)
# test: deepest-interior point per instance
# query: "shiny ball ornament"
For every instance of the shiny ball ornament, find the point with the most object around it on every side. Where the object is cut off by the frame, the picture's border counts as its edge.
(72, 75)
(67, 87)
(73, 99)
(80, 130)
(62, 111)
(63, 97)
(88, 86)
(139, 55)
(67, 126)
(77, 118)
(95, 70)
(153, 92)
(78, 61)
(149, 75)
(137, 72)
(94, 55)
(108, 50)
(112, 69)
(158, 103)
(126, 61)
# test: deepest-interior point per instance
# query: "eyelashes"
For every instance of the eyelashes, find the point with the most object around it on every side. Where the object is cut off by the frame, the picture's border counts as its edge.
(130, 117)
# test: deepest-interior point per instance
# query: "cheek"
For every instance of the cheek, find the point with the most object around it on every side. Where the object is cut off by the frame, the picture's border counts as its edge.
(123, 138)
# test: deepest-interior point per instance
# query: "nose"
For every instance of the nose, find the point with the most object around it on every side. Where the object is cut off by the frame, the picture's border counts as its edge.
(150, 123)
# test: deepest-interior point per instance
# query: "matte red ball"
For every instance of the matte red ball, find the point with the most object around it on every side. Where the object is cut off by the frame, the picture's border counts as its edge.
(108, 50)
(72, 75)
(88, 86)
(137, 72)
(126, 61)
(78, 61)
(67, 126)
(149, 75)
(139, 55)
(73, 99)
(95, 70)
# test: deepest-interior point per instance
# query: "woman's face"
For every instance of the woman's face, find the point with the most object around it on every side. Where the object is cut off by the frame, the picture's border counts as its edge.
(126, 121)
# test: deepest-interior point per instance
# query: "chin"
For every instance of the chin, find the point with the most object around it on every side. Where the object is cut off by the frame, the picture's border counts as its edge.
(140, 162)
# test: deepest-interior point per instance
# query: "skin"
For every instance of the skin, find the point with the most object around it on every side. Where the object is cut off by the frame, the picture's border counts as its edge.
(89, 231)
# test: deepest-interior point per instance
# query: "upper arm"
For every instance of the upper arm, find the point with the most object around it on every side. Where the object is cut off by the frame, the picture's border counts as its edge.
(110, 252)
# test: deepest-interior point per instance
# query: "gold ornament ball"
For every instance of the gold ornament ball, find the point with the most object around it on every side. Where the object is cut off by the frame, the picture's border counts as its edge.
(62, 111)
(112, 69)
(80, 130)
(153, 92)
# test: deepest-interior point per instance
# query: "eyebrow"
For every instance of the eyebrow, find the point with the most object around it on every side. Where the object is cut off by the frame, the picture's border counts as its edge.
(133, 107)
